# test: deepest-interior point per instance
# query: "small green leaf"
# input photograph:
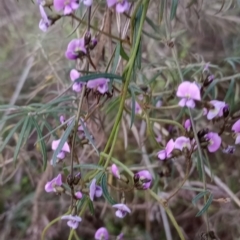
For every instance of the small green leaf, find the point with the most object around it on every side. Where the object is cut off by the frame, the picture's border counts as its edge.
(42, 142)
(90, 206)
(21, 137)
(106, 194)
(10, 134)
(199, 196)
(173, 9)
(62, 141)
(88, 136)
(98, 75)
(133, 107)
(206, 206)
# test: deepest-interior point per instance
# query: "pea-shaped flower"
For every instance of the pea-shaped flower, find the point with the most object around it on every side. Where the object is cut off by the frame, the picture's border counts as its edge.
(67, 6)
(167, 152)
(188, 92)
(55, 182)
(214, 141)
(101, 234)
(73, 221)
(122, 210)
(142, 180)
(236, 129)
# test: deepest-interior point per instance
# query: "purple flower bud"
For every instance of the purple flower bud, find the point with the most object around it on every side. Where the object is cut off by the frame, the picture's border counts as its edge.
(122, 210)
(225, 111)
(188, 92)
(115, 171)
(62, 119)
(50, 186)
(73, 221)
(188, 125)
(101, 234)
(78, 195)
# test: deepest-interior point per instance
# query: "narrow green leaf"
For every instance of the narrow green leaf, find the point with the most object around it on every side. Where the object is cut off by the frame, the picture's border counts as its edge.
(210, 87)
(42, 143)
(10, 117)
(199, 196)
(116, 57)
(106, 194)
(21, 138)
(230, 91)
(206, 206)
(86, 166)
(173, 9)
(90, 206)
(88, 136)
(98, 75)
(80, 203)
(10, 134)
(123, 53)
(161, 11)
(152, 24)
(63, 140)
(133, 107)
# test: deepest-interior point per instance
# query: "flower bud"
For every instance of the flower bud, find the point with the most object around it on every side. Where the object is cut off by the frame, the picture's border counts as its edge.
(87, 38)
(226, 111)
(115, 171)
(93, 43)
(70, 180)
(77, 178)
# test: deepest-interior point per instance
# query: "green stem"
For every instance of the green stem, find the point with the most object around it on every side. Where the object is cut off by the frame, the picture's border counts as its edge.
(128, 69)
(50, 224)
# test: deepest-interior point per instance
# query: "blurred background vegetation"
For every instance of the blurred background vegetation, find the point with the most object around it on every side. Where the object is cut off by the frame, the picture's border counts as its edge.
(34, 71)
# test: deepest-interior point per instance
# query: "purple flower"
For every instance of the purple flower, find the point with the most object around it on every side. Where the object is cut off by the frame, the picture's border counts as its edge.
(77, 86)
(188, 92)
(68, 6)
(159, 138)
(188, 125)
(73, 221)
(101, 84)
(62, 119)
(87, 3)
(115, 171)
(229, 149)
(101, 234)
(144, 179)
(50, 186)
(182, 142)
(75, 49)
(120, 236)
(138, 109)
(65, 148)
(94, 190)
(122, 210)
(214, 141)
(166, 153)
(78, 195)
(217, 111)
(45, 22)
(121, 6)
(236, 129)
